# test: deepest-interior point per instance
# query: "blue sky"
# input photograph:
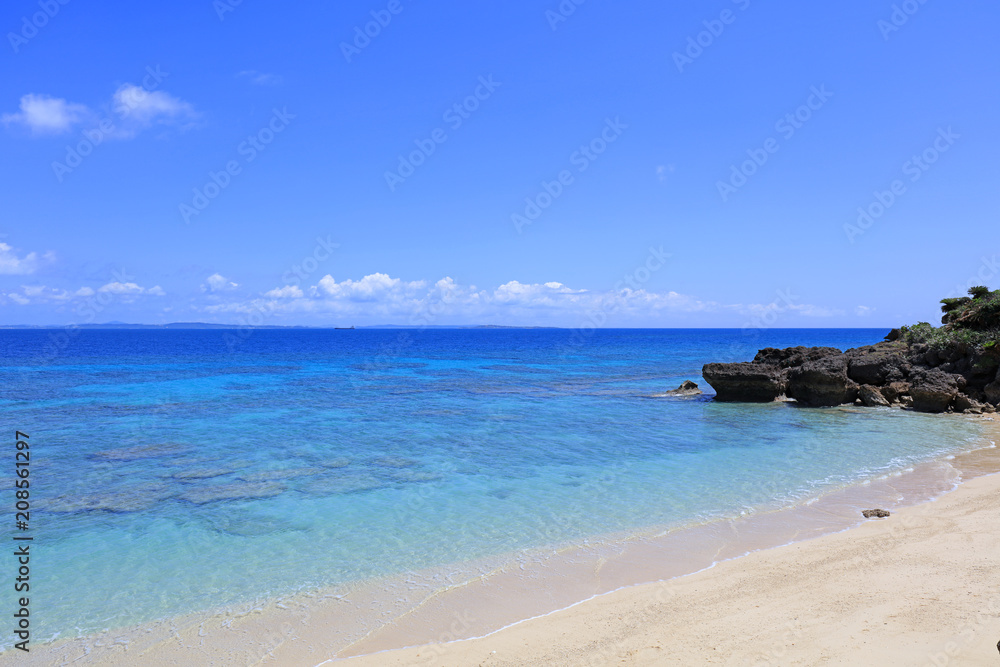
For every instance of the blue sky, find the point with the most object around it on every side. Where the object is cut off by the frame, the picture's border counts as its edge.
(537, 163)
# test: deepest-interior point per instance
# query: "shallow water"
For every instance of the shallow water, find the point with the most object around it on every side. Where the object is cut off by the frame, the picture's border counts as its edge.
(175, 471)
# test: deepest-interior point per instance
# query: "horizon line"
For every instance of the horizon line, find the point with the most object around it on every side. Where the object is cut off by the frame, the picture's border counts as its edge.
(215, 325)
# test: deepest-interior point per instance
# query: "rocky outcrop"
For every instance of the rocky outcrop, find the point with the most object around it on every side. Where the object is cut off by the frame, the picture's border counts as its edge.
(687, 388)
(872, 397)
(954, 377)
(983, 368)
(878, 364)
(822, 381)
(991, 392)
(933, 390)
(894, 391)
(963, 403)
(793, 356)
(746, 381)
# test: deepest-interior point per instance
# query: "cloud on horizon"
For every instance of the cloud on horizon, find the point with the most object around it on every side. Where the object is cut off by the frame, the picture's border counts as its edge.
(382, 298)
(125, 292)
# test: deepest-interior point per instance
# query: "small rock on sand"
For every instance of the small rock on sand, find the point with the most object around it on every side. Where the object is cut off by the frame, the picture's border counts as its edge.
(876, 514)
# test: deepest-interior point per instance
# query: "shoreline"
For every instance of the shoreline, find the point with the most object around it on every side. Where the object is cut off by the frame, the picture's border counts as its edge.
(886, 593)
(296, 630)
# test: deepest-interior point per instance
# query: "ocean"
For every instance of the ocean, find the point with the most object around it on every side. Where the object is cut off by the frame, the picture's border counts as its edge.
(176, 471)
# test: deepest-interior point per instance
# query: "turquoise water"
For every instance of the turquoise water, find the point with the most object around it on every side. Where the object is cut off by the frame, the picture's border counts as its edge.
(176, 471)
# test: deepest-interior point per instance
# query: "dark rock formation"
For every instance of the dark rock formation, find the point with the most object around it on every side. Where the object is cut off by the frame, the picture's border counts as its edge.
(894, 391)
(745, 381)
(877, 514)
(872, 397)
(878, 364)
(992, 391)
(936, 376)
(687, 388)
(793, 356)
(933, 390)
(968, 405)
(822, 381)
(983, 368)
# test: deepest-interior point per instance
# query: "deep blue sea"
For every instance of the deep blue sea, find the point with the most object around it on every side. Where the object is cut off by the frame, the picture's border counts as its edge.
(179, 470)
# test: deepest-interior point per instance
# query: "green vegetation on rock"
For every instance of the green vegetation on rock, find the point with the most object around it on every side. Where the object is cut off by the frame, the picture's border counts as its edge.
(971, 321)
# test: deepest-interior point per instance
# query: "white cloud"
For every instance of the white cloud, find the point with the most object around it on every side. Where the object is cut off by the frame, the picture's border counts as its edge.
(862, 311)
(137, 109)
(664, 170)
(770, 311)
(47, 115)
(381, 299)
(260, 78)
(286, 292)
(534, 294)
(378, 295)
(133, 109)
(130, 289)
(33, 291)
(39, 294)
(217, 283)
(810, 310)
(370, 288)
(12, 265)
(121, 288)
